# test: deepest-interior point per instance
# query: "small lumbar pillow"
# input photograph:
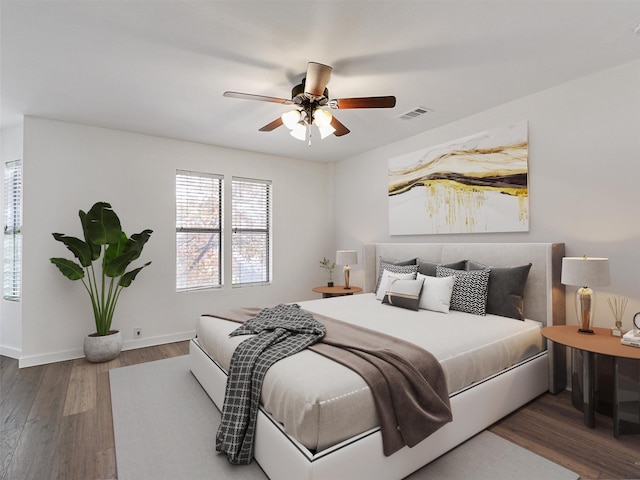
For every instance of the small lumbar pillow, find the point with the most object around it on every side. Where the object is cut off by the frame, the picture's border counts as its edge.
(403, 293)
(386, 276)
(394, 266)
(469, 289)
(436, 293)
(505, 296)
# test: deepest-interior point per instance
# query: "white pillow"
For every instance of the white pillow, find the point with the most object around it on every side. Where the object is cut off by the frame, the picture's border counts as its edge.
(436, 293)
(384, 281)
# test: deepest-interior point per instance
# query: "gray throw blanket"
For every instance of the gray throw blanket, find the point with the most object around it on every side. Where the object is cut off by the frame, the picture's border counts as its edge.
(407, 382)
(280, 331)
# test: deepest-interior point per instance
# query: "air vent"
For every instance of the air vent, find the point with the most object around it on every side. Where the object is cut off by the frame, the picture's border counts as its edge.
(415, 113)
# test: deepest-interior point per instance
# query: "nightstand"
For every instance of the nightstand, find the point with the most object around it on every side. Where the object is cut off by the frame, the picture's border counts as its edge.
(337, 291)
(626, 374)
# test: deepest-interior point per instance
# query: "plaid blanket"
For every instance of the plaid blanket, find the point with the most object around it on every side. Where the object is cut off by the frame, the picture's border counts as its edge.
(279, 332)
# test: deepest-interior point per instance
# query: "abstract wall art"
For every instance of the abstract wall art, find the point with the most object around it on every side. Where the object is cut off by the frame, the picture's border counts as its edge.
(475, 184)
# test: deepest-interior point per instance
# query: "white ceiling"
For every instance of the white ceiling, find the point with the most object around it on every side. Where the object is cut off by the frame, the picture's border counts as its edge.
(160, 67)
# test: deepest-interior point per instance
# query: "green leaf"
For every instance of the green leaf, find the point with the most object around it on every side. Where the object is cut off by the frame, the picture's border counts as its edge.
(117, 266)
(119, 256)
(129, 277)
(115, 249)
(102, 225)
(80, 249)
(69, 268)
(137, 241)
(95, 249)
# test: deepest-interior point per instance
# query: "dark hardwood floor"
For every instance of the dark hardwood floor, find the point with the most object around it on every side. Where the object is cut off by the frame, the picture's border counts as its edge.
(55, 422)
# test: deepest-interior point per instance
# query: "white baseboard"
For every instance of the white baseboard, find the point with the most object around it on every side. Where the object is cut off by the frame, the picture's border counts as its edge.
(161, 340)
(41, 359)
(10, 352)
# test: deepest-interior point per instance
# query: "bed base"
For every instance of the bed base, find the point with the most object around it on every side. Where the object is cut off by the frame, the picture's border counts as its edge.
(474, 409)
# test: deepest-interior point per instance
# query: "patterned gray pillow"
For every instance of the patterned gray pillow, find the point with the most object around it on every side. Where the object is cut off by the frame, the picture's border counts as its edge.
(406, 266)
(469, 289)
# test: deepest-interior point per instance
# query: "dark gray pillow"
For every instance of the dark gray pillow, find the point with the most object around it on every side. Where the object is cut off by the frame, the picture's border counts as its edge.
(506, 289)
(403, 293)
(386, 264)
(469, 289)
(429, 268)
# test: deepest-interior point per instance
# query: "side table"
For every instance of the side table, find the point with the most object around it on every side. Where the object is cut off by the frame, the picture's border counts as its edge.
(336, 291)
(626, 374)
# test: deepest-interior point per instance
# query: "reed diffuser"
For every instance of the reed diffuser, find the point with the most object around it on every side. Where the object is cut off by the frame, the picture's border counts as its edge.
(617, 306)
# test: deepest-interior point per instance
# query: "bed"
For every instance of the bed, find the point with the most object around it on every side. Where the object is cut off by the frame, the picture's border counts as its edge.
(313, 441)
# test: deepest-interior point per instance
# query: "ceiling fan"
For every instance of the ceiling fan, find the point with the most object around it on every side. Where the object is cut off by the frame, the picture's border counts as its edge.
(309, 97)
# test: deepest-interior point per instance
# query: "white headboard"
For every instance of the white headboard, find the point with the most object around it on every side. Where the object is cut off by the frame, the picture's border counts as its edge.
(544, 298)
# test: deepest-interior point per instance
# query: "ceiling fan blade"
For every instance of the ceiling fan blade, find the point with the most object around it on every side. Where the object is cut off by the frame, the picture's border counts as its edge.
(363, 102)
(272, 126)
(261, 98)
(317, 79)
(340, 128)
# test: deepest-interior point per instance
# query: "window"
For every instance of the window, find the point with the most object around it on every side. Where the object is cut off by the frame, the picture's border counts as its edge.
(251, 231)
(12, 288)
(198, 230)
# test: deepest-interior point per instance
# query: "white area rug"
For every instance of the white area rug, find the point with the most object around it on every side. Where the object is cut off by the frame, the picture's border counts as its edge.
(165, 425)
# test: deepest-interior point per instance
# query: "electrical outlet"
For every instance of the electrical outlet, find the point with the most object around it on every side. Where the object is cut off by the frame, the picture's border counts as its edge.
(137, 333)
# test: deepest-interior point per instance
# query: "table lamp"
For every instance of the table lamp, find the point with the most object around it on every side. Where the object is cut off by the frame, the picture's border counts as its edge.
(585, 272)
(346, 258)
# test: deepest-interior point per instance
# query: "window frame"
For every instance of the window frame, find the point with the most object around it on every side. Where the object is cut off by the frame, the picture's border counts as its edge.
(217, 185)
(266, 229)
(12, 239)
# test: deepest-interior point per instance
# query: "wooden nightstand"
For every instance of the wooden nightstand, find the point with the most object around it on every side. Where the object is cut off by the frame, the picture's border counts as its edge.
(626, 374)
(337, 291)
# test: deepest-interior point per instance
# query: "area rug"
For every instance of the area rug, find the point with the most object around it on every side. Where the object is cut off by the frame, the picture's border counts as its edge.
(164, 425)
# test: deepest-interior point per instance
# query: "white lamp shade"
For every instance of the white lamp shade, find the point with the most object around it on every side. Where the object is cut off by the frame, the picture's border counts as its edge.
(346, 257)
(322, 118)
(585, 271)
(299, 131)
(326, 131)
(290, 119)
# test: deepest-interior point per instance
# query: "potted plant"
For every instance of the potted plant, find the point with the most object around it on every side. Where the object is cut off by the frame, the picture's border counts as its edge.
(328, 266)
(106, 245)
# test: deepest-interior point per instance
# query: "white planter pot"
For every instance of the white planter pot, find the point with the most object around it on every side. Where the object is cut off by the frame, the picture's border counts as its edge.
(102, 348)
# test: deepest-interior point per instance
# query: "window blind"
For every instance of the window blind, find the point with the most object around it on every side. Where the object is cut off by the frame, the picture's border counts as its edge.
(12, 268)
(251, 231)
(198, 230)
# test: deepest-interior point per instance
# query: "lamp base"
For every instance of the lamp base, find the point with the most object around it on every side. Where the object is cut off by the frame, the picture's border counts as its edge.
(347, 274)
(585, 301)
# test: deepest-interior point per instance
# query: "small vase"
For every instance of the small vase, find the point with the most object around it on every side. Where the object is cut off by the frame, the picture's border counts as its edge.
(329, 284)
(102, 348)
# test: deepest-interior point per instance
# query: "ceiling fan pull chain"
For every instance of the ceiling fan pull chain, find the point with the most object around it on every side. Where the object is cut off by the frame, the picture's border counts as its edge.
(309, 132)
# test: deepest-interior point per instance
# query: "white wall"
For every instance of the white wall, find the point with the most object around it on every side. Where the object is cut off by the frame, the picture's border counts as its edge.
(68, 167)
(10, 311)
(584, 169)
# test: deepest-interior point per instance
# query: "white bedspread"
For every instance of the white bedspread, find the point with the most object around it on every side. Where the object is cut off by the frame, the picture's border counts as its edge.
(321, 403)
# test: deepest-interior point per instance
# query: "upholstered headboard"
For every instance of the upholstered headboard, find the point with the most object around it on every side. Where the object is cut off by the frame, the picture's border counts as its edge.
(544, 298)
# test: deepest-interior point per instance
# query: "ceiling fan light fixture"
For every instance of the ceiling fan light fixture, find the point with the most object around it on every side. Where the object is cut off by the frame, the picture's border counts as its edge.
(290, 119)
(325, 131)
(308, 100)
(322, 118)
(299, 131)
